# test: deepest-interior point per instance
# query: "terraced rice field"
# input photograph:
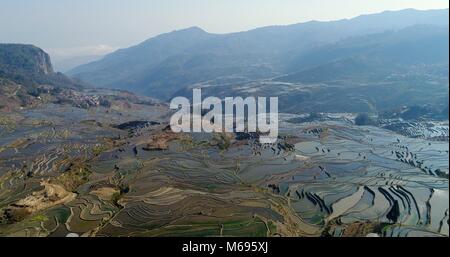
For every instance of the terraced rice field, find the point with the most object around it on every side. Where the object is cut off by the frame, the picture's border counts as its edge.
(325, 178)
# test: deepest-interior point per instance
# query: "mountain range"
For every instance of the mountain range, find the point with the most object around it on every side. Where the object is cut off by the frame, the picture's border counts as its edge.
(165, 64)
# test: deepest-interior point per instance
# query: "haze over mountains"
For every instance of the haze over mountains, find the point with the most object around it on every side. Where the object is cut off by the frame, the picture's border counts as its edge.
(301, 53)
(67, 64)
(372, 55)
(30, 66)
(362, 146)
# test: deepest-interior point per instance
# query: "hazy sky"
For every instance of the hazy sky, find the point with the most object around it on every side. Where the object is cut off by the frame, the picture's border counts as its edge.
(78, 27)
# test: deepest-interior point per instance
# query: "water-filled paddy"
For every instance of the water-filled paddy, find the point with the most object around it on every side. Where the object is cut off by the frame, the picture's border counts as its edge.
(321, 178)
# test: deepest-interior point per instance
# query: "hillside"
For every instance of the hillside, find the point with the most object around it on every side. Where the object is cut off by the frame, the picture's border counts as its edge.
(27, 77)
(30, 66)
(162, 65)
(373, 56)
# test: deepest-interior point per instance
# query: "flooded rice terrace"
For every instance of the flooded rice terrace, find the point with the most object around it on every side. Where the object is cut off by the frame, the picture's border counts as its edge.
(122, 172)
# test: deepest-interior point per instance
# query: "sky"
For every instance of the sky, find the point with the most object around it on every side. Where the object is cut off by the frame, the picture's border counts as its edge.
(69, 28)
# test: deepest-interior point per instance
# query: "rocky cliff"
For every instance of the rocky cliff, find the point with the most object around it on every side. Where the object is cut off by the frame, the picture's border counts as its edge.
(30, 66)
(25, 58)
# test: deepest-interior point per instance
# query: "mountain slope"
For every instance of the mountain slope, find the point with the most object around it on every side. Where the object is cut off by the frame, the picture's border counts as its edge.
(162, 65)
(371, 73)
(27, 77)
(29, 66)
(372, 56)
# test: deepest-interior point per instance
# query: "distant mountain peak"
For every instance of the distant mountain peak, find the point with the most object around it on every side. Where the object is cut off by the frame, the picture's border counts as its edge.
(185, 31)
(192, 29)
(164, 64)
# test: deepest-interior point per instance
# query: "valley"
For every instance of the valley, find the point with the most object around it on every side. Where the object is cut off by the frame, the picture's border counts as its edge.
(362, 147)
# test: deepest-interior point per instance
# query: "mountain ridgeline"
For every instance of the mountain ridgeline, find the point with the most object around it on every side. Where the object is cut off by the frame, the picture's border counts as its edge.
(162, 65)
(367, 156)
(371, 56)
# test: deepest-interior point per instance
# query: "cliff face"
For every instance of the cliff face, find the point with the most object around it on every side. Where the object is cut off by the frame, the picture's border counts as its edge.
(43, 63)
(30, 66)
(24, 58)
(27, 78)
